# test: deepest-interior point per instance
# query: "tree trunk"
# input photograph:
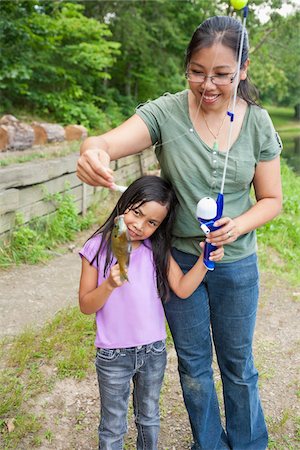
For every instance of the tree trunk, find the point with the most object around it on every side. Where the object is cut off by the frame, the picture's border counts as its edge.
(75, 132)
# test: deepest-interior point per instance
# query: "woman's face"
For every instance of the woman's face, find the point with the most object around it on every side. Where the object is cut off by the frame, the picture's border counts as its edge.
(215, 60)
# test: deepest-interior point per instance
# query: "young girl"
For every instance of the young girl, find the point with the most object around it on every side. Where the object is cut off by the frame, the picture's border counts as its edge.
(131, 333)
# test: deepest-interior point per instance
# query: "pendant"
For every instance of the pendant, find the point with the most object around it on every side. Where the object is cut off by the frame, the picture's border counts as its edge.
(216, 146)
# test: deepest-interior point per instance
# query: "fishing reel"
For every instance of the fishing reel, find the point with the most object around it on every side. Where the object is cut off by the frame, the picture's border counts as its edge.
(208, 211)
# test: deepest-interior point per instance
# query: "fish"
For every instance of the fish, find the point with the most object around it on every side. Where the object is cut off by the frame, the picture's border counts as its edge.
(121, 245)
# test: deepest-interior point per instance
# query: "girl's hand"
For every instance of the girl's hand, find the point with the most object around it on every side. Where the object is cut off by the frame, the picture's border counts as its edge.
(114, 278)
(227, 234)
(216, 255)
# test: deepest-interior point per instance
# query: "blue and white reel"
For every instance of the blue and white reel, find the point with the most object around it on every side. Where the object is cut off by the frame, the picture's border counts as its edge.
(208, 211)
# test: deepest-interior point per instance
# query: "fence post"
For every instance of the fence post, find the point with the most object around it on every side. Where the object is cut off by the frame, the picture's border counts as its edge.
(84, 199)
(140, 157)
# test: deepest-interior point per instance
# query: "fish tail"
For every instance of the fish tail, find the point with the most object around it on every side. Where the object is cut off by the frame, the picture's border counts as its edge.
(123, 275)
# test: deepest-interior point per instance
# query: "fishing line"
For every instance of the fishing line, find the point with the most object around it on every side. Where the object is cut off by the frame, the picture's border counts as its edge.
(234, 101)
(208, 210)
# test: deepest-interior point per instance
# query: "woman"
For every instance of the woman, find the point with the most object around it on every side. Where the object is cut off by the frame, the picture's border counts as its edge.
(190, 130)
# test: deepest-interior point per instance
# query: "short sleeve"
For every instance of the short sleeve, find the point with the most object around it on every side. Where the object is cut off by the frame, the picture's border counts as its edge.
(90, 249)
(155, 113)
(271, 145)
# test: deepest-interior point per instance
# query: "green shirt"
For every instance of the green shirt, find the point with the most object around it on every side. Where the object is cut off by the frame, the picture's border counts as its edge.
(195, 170)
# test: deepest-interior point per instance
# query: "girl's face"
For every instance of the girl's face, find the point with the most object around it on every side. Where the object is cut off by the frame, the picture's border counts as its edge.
(142, 221)
(215, 60)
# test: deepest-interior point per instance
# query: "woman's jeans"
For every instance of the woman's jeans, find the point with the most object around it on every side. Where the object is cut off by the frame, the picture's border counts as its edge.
(145, 365)
(226, 300)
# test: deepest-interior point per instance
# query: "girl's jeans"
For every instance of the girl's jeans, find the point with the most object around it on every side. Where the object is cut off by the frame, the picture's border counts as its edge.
(226, 300)
(145, 365)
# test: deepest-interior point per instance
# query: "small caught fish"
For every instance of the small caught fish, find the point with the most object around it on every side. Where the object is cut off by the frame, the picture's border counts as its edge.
(121, 245)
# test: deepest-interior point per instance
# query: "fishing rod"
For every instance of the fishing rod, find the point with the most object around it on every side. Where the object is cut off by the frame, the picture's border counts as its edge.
(209, 210)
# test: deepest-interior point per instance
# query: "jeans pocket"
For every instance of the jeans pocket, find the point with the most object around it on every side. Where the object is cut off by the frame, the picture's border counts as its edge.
(158, 347)
(107, 354)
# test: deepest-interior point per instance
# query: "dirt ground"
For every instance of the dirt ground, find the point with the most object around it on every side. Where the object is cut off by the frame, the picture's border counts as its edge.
(31, 295)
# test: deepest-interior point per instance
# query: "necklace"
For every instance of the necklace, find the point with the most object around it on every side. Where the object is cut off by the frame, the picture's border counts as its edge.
(208, 127)
(211, 132)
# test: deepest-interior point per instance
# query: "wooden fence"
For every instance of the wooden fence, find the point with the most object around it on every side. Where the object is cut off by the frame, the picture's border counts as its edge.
(23, 187)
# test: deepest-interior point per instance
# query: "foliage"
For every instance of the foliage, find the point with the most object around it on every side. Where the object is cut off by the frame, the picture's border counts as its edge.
(34, 241)
(276, 63)
(91, 62)
(52, 59)
(153, 37)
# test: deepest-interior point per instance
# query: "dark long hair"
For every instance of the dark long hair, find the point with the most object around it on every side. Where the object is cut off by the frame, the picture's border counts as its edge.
(145, 189)
(226, 30)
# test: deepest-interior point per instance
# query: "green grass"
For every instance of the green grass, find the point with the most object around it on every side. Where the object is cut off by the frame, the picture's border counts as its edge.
(279, 240)
(65, 344)
(48, 152)
(283, 119)
(32, 242)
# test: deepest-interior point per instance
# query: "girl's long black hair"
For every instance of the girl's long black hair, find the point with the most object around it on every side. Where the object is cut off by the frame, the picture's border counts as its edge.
(226, 30)
(145, 189)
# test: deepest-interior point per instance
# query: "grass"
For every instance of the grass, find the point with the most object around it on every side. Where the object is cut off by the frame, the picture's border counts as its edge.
(47, 152)
(33, 242)
(279, 240)
(284, 119)
(66, 345)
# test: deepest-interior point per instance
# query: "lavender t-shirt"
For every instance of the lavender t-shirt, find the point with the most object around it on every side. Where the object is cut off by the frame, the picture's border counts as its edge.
(133, 314)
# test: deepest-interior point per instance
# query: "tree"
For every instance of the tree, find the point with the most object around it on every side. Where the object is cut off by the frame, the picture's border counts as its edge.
(276, 60)
(53, 57)
(153, 37)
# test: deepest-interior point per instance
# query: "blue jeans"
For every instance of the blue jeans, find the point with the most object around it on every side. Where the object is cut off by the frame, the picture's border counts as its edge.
(145, 365)
(223, 306)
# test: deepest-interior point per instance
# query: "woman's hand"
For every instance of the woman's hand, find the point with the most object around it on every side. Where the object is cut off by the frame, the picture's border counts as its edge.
(114, 279)
(226, 234)
(216, 255)
(93, 168)
(129, 138)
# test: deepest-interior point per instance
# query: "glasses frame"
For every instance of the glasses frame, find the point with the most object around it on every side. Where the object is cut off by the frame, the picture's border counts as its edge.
(211, 78)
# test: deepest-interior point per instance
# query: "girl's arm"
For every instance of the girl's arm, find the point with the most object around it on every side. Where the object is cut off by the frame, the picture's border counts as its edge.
(183, 285)
(268, 193)
(129, 138)
(91, 297)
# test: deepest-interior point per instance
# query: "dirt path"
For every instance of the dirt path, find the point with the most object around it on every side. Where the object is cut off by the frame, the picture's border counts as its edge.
(30, 295)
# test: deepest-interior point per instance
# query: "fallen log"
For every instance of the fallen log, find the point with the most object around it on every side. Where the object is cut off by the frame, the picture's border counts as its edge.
(3, 138)
(47, 132)
(75, 132)
(8, 119)
(15, 135)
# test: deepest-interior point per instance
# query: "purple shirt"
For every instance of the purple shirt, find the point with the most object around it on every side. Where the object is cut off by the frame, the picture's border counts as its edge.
(133, 314)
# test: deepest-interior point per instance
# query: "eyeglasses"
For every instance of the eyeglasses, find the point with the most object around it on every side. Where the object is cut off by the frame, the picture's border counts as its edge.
(218, 80)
